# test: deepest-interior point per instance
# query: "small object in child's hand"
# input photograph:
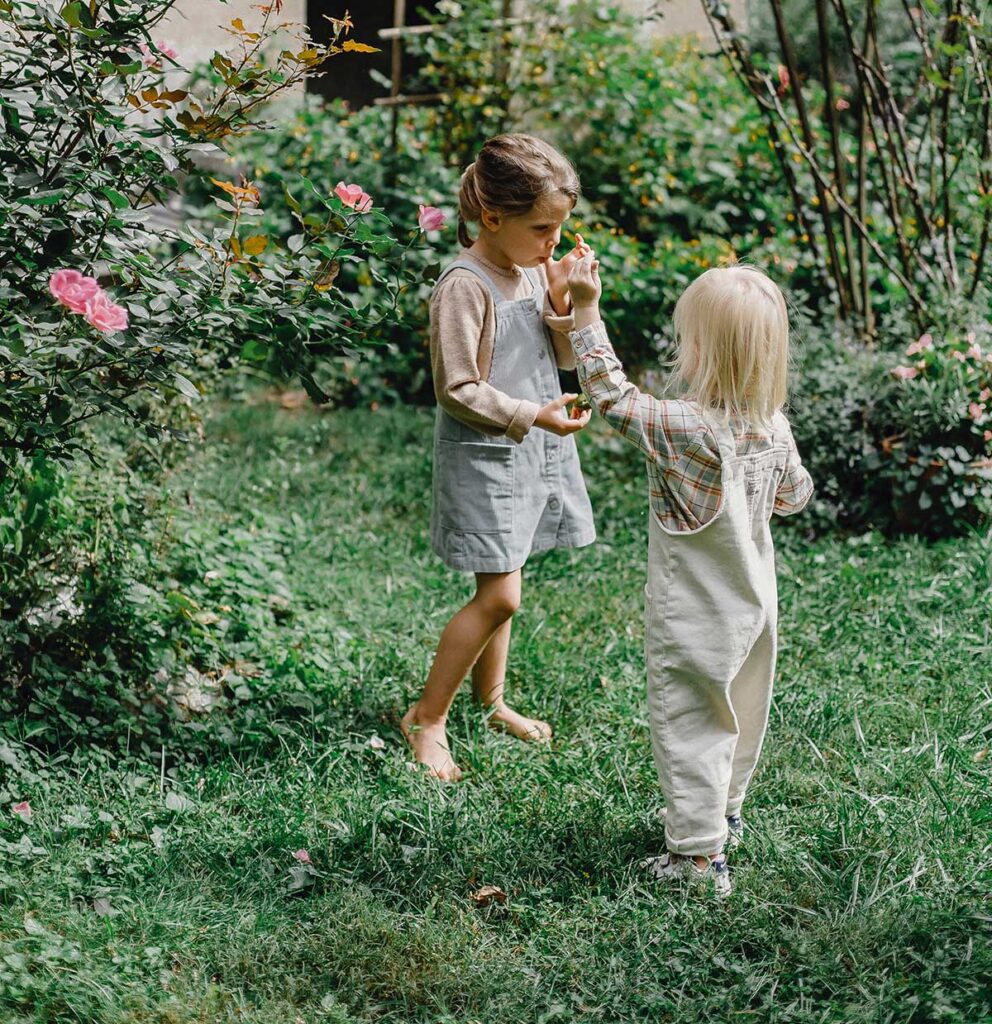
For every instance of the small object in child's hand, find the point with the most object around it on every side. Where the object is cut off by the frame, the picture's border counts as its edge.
(577, 407)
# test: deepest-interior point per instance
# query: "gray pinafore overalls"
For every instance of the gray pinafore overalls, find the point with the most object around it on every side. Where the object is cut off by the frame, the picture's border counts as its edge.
(495, 502)
(710, 633)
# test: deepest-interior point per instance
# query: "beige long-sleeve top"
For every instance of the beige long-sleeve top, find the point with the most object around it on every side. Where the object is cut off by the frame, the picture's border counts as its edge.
(463, 324)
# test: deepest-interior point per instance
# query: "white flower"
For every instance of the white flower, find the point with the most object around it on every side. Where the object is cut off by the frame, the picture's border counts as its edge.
(451, 8)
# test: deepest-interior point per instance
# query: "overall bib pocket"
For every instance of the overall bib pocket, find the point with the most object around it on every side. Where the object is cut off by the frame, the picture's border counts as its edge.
(474, 486)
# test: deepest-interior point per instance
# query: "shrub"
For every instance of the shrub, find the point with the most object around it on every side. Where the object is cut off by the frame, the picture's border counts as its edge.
(901, 448)
(936, 444)
(95, 133)
(316, 143)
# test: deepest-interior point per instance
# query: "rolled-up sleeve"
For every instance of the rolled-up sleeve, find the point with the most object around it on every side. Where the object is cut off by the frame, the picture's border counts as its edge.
(796, 486)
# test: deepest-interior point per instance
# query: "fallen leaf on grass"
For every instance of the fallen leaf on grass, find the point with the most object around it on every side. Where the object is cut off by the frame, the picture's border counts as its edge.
(177, 802)
(488, 895)
(248, 669)
(22, 811)
(301, 876)
(195, 693)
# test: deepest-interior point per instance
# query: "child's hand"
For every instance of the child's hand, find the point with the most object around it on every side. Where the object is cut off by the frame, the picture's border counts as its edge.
(557, 274)
(575, 409)
(554, 419)
(584, 284)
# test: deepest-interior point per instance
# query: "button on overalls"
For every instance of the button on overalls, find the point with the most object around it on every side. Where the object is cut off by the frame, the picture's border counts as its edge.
(710, 644)
(494, 502)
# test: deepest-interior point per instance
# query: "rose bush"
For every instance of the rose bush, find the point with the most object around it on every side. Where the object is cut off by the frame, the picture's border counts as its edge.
(96, 138)
(936, 448)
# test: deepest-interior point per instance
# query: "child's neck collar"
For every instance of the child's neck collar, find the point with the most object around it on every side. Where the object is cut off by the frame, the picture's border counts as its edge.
(485, 255)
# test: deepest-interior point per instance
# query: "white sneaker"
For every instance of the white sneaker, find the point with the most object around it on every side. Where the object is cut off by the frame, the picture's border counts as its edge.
(671, 866)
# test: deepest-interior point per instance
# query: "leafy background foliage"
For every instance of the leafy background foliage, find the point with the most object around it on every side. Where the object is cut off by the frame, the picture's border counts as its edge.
(210, 623)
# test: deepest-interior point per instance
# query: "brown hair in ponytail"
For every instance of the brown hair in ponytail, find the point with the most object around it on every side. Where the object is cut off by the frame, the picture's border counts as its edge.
(510, 174)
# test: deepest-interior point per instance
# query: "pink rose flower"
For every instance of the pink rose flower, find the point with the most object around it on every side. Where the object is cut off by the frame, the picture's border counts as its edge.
(73, 289)
(975, 351)
(430, 218)
(987, 435)
(985, 394)
(22, 810)
(102, 314)
(924, 344)
(153, 60)
(842, 104)
(976, 411)
(353, 197)
(959, 356)
(303, 856)
(905, 372)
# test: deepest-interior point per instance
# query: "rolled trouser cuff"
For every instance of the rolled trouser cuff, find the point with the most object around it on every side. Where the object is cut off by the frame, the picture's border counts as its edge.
(696, 846)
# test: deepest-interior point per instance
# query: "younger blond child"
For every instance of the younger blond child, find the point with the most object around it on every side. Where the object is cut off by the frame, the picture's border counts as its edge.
(720, 460)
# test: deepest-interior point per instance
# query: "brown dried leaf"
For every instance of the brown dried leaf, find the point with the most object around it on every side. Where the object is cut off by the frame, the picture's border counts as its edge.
(328, 275)
(488, 895)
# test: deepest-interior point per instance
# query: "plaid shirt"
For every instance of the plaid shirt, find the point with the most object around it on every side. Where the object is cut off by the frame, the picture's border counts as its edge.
(683, 456)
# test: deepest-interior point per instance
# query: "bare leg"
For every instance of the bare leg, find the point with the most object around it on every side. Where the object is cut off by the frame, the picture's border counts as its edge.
(497, 597)
(488, 684)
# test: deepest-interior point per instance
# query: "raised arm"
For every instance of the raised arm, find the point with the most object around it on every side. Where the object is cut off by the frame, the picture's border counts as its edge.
(642, 419)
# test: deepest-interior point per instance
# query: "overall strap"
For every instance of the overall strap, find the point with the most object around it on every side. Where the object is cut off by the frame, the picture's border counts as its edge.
(723, 433)
(479, 273)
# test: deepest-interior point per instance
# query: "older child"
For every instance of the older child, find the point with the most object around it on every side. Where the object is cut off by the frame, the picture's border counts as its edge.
(720, 461)
(502, 490)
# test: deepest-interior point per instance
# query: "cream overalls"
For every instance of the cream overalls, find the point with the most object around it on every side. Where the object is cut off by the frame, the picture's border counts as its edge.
(710, 643)
(495, 502)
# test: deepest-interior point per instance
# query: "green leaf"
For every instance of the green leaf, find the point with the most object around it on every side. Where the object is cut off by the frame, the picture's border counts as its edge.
(254, 351)
(186, 386)
(71, 14)
(119, 201)
(49, 198)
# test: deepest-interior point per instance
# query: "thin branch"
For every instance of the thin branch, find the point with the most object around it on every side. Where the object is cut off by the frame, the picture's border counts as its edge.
(864, 121)
(757, 85)
(984, 177)
(869, 76)
(830, 116)
(950, 37)
(862, 228)
(789, 53)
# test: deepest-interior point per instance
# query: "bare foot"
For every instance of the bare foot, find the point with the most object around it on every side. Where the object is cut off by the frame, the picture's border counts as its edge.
(507, 720)
(430, 747)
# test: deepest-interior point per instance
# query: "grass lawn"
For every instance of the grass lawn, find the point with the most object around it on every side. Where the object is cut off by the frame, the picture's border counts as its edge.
(862, 893)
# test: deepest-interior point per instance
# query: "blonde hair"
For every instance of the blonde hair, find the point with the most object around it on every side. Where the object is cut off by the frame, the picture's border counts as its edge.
(732, 326)
(510, 174)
